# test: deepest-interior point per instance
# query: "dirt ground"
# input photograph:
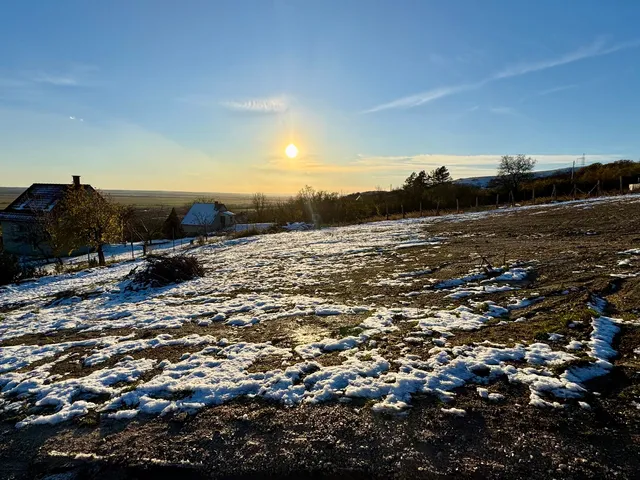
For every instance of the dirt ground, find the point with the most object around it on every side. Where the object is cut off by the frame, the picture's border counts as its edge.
(574, 250)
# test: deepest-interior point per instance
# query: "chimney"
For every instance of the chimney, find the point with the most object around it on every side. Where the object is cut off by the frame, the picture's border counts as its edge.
(76, 181)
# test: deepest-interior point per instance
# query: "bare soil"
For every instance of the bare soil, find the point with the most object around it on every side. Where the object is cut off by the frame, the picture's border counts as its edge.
(572, 249)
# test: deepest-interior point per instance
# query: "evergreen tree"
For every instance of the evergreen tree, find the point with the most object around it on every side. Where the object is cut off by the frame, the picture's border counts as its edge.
(172, 228)
(440, 175)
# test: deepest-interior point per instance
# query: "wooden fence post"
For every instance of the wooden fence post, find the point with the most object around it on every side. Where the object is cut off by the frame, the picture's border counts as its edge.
(420, 208)
(476, 202)
(533, 196)
(457, 206)
(402, 208)
(497, 199)
(620, 184)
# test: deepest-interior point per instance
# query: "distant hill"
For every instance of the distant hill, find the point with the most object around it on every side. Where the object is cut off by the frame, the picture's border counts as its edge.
(484, 182)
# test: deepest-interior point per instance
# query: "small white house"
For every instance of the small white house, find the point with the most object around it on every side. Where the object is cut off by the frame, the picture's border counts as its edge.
(205, 218)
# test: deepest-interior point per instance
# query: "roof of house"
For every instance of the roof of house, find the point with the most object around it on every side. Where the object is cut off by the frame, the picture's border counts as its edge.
(38, 198)
(201, 214)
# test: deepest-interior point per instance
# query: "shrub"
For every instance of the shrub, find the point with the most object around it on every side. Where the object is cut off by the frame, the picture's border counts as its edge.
(11, 270)
(163, 270)
(274, 229)
(244, 233)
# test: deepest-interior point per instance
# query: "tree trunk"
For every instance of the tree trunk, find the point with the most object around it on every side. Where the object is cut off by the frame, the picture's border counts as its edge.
(101, 261)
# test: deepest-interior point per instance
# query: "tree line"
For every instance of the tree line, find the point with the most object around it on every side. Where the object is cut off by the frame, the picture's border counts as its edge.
(435, 191)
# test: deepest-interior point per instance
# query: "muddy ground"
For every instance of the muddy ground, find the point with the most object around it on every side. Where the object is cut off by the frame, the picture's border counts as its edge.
(573, 249)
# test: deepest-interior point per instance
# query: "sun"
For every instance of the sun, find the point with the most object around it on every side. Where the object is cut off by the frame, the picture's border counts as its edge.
(291, 151)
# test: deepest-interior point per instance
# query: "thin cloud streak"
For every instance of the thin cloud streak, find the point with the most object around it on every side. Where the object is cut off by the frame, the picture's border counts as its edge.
(424, 97)
(56, 80)
(596, 49)
(402, 165)
(264, 105)
(561, 88)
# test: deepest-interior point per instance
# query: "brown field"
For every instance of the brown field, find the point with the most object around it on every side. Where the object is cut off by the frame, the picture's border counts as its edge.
(573, 249)
(150, 199)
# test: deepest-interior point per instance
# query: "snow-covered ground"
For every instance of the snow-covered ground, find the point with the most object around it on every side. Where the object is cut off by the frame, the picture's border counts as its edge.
(119, 252)
(251, 282)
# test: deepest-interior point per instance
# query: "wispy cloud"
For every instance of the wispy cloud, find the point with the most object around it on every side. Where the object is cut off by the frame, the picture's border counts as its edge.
(462, 165)
(422, 98)
(598, 48)
(259, 105)
(77, 75)
(400, 166)
(560, 88)
(56, 80)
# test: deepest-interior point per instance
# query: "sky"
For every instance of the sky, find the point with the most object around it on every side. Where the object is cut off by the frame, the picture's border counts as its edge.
(204, 96)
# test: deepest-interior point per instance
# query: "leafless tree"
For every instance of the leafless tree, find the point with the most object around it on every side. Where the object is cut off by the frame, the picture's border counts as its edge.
(259, 202)
(513, 171)
(205, 221)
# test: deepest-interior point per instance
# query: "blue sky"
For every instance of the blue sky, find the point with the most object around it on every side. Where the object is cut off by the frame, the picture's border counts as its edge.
(205, 96)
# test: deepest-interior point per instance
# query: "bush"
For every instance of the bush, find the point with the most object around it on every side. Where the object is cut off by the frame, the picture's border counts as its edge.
(274, 229)
(244, 233)
(164, 270)
(11, 270)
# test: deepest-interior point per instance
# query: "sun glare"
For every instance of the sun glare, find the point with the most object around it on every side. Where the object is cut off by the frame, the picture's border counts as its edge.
(291, 151)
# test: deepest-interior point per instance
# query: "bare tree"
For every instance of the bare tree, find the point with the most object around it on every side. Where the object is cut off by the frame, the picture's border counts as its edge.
(513, 171)
(147, 225)
(259, 202)
(205, 221)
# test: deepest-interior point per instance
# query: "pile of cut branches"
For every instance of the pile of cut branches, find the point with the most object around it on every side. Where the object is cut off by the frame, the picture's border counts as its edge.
(163, 270)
